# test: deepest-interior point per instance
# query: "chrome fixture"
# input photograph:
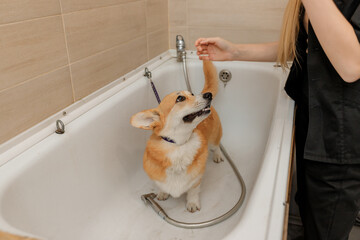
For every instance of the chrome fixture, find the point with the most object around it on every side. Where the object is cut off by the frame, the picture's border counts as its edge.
(148, 74)
(225, 76)
(60, 127)
(181, 57)
(180, 48)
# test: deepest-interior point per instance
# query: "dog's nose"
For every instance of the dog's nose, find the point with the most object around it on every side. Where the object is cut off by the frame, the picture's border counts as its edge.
(207, 95)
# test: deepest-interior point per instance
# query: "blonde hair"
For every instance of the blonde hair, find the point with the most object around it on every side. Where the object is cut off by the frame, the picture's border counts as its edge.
(289, 33)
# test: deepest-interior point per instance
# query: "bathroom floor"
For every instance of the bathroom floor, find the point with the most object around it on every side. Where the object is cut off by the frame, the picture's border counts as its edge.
(355, 233)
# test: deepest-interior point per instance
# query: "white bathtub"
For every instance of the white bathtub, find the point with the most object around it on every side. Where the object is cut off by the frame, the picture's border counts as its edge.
(86, 184)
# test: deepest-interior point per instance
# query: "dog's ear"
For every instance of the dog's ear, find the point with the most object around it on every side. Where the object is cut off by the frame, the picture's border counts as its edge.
(147, 119)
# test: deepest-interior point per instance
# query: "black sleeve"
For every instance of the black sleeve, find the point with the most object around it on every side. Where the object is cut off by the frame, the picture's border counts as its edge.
(355, 22)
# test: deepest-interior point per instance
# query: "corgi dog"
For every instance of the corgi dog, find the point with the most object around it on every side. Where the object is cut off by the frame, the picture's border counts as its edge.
(184, 126)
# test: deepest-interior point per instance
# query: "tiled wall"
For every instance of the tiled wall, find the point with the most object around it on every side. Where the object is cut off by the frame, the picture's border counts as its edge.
(240, 21)
(55, 52)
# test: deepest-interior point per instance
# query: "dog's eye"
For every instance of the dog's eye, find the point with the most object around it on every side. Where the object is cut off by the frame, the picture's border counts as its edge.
(192, 94)
(180, 99)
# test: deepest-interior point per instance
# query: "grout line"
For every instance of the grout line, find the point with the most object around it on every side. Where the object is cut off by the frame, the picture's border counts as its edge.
(108, 49)
(100, 7)
(187, 22)
(232, 28)
(67, 52)
(146, 30)
(33, 78)
(147, 47)
(60, 14)
(158, 30)
(168, 20)
(186, 13)
(29, 20)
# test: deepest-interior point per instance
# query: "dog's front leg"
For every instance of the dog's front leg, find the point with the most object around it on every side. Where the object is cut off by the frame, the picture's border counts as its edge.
(217, 153)
(193, 198)
(162, 196)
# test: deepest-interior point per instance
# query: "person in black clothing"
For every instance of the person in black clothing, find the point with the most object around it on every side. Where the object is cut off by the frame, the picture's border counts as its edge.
(322, 38)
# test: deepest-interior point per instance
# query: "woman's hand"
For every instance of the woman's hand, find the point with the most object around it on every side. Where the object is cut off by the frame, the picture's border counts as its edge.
(216, 49)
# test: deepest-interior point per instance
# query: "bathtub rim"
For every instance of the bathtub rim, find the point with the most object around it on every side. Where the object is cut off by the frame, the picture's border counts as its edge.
(276, 157)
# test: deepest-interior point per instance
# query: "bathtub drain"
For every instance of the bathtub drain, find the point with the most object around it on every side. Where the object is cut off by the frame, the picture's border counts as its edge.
(225, 76)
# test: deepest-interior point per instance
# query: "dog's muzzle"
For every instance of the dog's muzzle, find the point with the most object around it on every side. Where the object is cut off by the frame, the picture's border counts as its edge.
(189, 118)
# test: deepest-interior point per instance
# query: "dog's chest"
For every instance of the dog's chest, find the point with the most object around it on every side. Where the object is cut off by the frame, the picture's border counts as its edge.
(182, 156)
(178, 180)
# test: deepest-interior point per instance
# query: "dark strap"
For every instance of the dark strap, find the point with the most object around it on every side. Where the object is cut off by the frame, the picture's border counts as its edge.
(155, 91)
(350, 8)
(167, 139)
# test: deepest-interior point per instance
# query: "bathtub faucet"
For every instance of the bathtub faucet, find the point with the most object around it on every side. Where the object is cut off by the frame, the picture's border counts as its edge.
(180, 48)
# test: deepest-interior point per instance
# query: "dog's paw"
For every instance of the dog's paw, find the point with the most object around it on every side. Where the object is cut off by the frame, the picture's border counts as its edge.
(193, 207)
(217, 154)
(162, 196)
(217, 158)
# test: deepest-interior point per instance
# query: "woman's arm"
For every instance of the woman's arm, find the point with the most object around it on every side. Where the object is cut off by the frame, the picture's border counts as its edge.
(336, 36)
(218, 49)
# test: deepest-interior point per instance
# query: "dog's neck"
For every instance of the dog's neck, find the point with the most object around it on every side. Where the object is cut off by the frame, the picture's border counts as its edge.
(177, 137)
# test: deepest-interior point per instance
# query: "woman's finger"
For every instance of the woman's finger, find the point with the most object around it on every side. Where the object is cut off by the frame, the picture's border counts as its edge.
(208, 41)
(202, 48)
(205, 51)
(204, 57)
(198, 41)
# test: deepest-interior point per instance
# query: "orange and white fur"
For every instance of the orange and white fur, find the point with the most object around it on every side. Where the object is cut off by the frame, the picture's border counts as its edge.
(184, 127)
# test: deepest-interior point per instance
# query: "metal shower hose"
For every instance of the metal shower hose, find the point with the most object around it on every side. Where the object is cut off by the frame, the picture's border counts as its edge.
(150, 197)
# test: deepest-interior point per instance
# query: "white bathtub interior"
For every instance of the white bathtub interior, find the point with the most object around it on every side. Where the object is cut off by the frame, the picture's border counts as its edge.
(87, 183)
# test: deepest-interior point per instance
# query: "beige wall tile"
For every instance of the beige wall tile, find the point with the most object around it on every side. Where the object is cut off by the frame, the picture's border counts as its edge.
(246, 21)
(30, 48)
(31, 102)
(96, 71)
(177, 13)
(179, 30)
(265, 15)
(157, 15)
(76, 5)
(158, 42)
(18, 10)
(233, 35)
(91, 31)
